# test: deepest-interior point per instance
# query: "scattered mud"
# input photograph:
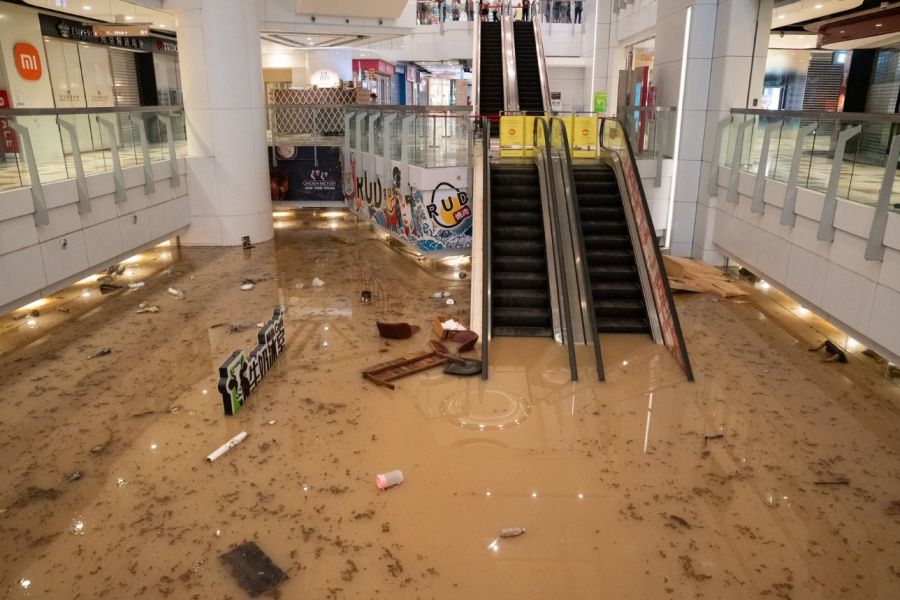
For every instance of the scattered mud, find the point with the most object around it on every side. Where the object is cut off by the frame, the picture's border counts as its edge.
(713, 493)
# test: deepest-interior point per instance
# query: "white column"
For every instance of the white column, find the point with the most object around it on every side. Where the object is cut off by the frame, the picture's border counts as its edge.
(224, 101)
(723, 68)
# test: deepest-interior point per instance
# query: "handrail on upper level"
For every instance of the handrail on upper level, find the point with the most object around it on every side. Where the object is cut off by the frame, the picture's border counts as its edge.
(821, 115)
(8, 113)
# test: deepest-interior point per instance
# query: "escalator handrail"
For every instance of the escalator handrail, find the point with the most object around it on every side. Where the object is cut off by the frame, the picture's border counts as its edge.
(508, 64)
(629, 155)
(541, 122)
(542, 63)
(486, 269)
(476, 67)
(574, 209)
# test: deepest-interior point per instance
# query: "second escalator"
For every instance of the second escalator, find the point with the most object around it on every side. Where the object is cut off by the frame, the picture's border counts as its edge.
(528, 75)
(619, 305)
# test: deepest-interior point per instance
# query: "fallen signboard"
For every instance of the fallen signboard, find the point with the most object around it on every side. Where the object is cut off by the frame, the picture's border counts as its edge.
(239, 376)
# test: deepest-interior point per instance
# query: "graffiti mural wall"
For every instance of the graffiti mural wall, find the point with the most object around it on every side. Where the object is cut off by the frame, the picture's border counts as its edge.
(434, 220)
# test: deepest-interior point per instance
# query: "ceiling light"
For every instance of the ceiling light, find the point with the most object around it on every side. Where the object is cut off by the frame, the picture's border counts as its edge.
(877, 24)
(87, 8)
(129, 18)
(818, 6)
(780, 16)
(162, 24)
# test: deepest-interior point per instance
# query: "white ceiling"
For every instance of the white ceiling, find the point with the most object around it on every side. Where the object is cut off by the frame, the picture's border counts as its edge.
(807, 10)
(113, 11)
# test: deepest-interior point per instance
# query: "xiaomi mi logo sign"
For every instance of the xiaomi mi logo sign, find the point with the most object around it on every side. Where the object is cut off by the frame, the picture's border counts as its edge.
(28, 61)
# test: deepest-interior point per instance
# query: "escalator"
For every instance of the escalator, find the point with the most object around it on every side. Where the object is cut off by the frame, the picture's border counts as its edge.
(528, 76)
(619, 304)
(520, 289)
(490, 91)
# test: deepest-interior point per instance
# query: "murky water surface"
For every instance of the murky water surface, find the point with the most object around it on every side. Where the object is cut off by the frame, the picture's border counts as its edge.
(773, 475)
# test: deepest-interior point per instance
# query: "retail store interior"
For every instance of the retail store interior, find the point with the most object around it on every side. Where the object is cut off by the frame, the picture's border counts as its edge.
(450, 299)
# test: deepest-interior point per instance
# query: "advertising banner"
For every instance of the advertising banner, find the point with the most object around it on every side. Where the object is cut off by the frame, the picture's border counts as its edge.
(306, 173)
(7, 136)
(584, 136)
(430, 220)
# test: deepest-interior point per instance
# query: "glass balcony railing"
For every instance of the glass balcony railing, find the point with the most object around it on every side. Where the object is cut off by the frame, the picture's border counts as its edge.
(845, 154)
(55, 144)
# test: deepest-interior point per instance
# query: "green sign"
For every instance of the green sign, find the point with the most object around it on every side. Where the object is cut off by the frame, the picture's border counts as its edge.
(600, 102)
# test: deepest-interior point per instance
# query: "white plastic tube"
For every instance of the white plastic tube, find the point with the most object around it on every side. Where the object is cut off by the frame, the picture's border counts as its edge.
(227, 446)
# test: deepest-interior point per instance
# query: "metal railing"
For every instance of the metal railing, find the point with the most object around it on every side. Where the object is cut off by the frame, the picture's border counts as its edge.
(41, 146)
(651, 130)
(546, 156)
(487, 257)
(429, 136)
(843, 155)
(613, 139)
(589, 316)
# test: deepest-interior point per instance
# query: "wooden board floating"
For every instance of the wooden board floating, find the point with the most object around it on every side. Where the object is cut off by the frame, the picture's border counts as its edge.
(384, 373)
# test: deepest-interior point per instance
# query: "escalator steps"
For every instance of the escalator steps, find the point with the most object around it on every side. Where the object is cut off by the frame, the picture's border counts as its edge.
(619, 305)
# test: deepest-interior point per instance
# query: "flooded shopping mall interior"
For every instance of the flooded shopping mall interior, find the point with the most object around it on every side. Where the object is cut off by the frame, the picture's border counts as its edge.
(773, 474)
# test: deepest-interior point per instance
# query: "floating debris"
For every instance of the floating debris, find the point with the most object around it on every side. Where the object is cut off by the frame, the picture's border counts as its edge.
(136, 284)
(438, 295)
(103, 352)
(146, 413)
(387, 480)
(247, 286)
(63, 309)
(396, 331)
(511, 532)
(73, 476)
(253, 570)
(838, 481)
(680, 521)
(245, 242)
(316, 282)
(227, 446)
(271, 422)
(147, 309)
(176, 293)
(365, 297)
(450, 301)
(173, 409)
(108, 288)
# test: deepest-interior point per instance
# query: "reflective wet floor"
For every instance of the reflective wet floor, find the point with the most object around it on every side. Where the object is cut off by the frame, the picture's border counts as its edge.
(773, 475)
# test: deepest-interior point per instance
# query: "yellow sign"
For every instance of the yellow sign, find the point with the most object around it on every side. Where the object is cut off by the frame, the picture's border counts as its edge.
(512, 135)
(583, 136)
(529, 135)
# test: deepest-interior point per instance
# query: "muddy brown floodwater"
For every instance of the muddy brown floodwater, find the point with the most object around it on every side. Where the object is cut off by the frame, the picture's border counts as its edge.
(774, 475)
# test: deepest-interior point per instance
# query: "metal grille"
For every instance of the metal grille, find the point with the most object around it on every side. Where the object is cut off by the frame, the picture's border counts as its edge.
(300, 119)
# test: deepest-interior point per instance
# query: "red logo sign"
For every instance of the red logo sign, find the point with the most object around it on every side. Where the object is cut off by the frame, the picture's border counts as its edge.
(585, 132)
(28, 61)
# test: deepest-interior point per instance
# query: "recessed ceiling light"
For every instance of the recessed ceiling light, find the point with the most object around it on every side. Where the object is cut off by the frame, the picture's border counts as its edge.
(842, 31)
(129, 18)
(780, 16)
(877, 24)
(818, 6)
(162, 24)
(87, 8)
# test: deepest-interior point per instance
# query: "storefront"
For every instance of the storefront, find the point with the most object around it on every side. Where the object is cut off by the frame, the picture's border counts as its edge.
(375, 77)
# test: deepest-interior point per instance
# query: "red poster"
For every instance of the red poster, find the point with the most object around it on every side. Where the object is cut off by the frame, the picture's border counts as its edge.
(10, 142)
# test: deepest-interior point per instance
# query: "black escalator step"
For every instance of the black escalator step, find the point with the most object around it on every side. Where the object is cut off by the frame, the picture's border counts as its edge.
(523, 332)
(519, 219)
(503, 280)
(620, 308)
(517, 233)
(521, 317)
(602, 213)
(520, 264)
(518, 189)
(605, 290)
(520, 298)
(621, 273)
(604, 227)
(633, 325)
(518, 247)
(597, 242)
(594, 186)
(609, 257)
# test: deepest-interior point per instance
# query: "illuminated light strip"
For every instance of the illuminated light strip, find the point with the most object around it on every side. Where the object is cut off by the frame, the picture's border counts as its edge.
(678, 116)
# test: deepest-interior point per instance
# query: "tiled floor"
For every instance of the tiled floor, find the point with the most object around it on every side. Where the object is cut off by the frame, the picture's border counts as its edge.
(773, 475)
